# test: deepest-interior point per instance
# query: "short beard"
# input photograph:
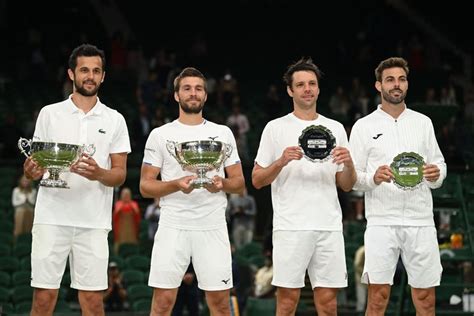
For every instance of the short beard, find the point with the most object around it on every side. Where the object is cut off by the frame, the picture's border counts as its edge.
(85, 92)
(191, 110)
(392, 100)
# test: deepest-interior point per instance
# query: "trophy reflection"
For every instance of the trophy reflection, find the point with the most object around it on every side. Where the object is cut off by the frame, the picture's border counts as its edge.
(55, 157)
(200, 157)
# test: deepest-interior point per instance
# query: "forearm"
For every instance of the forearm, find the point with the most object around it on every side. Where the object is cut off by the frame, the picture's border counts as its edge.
(157, 188)
(347, 179)
(233, 185)
(264, 176)
(112, 177)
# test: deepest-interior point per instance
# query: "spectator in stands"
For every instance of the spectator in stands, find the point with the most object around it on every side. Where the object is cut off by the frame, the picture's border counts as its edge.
(159, 118)
(273, 103)
(115, 296)
(430, 96)
(242, 210)
(399, 222)
(23, 200)
(126, 219)
(307, 220)
(141, 128)
(75, 222)
(263, 287)
(150, 92)
(152, 215)
(239, 122)
(192, 220)
(227, 90)
(448, 95)
(339, 103)
(188, 295)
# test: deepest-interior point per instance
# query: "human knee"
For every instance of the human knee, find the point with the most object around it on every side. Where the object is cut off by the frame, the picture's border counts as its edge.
(43, 302)
(425, 299)
(287, 305)
(379, 299)
(92, 301)
(220, 308)
(162, 305)
(328, 307)
(326, 301)
(219, 303)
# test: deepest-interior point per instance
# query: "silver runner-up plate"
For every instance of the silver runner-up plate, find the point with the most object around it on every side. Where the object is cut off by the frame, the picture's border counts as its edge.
(317, 143)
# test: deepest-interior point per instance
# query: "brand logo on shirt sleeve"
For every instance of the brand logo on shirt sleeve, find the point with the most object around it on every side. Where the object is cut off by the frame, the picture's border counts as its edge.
(377, 136)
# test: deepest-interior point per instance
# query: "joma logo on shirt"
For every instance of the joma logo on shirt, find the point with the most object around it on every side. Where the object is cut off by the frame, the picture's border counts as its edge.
(101, 131)
(377, 136)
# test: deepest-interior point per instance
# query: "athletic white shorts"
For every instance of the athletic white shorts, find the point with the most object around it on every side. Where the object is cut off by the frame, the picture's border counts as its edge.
(88, 253)
(209, 251)
(418, 247)
(321, 253)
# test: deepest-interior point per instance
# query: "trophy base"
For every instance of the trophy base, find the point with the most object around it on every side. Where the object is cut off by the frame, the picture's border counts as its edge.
(200, 183)
(50, 183)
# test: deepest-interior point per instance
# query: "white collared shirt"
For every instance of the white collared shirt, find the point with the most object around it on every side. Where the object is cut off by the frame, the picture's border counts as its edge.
(87, 204)
(374, 141)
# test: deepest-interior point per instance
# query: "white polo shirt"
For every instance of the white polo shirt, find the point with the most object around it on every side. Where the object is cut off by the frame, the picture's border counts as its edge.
(200, 209)
(378, 138)
(87, 204)
(304, 194)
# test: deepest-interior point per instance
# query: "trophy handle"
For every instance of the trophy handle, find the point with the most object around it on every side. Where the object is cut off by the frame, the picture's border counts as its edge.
(88, 149)
(171, 147)
(23, 144)
(228, 150)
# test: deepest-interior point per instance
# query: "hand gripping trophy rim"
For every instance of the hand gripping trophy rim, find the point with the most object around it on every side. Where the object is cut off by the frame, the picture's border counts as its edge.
(56, 158)
(202, 164)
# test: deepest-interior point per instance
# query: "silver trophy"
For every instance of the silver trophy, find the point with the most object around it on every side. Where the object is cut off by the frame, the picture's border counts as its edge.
(200, 157)
(55, 157)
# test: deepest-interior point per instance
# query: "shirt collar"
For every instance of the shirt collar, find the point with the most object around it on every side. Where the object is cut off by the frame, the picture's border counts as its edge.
(385, 114)
(96, 110)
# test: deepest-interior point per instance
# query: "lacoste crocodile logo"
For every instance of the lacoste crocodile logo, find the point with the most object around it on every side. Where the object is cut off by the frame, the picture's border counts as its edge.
(378, 135)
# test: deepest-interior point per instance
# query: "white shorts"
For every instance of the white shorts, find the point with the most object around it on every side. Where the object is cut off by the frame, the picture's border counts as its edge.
(174, 249)
(320, 252)
(418, 247)
(87, 249)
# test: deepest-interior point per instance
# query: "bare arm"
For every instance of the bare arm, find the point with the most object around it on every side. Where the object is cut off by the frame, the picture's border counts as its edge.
(150, 187)
(233, 182)
(87, 167)
(264, 176)
(347, 177)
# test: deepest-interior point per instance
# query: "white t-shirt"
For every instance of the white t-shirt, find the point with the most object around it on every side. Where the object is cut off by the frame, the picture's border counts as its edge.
(87, 204)
(200, 209)
(304, 194)
(378, 138)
